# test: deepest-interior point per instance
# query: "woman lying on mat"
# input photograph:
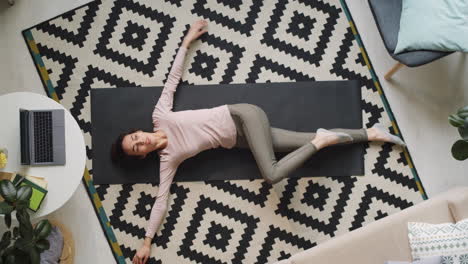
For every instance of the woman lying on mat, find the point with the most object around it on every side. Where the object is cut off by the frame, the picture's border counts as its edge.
(180, 135)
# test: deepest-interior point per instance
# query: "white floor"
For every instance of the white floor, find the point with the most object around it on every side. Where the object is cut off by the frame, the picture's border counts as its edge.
(421, 99)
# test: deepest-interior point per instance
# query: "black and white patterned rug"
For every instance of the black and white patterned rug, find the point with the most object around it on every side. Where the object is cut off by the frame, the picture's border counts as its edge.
(115, 43)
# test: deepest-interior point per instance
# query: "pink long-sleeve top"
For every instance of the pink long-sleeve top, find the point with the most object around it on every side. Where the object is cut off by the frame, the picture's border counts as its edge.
(189, 133)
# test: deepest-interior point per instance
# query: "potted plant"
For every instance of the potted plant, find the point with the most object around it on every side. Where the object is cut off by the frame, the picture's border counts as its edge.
(460, 121)
(25, 242)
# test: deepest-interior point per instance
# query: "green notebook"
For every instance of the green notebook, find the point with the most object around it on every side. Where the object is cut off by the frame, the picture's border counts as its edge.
(38, 193)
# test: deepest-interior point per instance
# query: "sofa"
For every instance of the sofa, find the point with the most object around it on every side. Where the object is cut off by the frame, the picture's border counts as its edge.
(387, 238)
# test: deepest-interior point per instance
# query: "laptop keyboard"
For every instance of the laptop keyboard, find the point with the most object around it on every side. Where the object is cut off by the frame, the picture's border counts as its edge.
(43, 137)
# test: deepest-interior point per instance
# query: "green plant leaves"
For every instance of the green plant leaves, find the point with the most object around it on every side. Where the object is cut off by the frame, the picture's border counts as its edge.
(460, 120)
(463, 112)
(23, 217)
(28, 247)
(24, 245)
(6, 208)
(456, 120)
(463, 132)
(15, 231)
(9, 250)
(34, 256)
(42, 245)
(5, 242)
(8, 191)
(43, 229)
(8, 220)
(21, 258)
(25, 227)
(460, 150)
(28, 241)
(21, 205)
(10, 259)
(24, 193)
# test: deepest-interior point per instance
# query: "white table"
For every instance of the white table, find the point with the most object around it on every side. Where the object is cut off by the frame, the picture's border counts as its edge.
(63, 180)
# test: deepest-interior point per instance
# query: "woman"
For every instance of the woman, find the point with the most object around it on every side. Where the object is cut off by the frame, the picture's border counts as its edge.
(180, 135)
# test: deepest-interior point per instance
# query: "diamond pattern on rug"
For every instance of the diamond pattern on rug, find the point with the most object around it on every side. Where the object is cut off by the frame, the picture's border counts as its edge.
(134, 35)
(119, 25)
(301, 26)
(216, 62)
(73, 26)
(370, 202)
(204, 65)
(131, 43)
(257, 197)
(299, 45)
(237, 15)
(221, 216)
(285, 244)
(326, 217)
(218, 236)
(316, 195)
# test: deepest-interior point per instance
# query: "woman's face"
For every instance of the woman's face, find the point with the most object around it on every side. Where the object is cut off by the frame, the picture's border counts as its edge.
(139, 143)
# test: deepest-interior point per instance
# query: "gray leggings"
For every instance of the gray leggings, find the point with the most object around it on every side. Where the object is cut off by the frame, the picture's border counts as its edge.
(254, 132)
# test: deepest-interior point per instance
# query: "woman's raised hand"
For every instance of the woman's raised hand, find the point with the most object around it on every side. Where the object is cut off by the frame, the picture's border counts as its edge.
(196, 30)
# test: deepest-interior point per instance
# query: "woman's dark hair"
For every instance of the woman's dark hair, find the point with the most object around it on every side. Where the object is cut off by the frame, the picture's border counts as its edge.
(118, 155)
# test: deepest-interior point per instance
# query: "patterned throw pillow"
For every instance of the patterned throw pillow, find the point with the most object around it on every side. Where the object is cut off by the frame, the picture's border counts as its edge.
(447, 240)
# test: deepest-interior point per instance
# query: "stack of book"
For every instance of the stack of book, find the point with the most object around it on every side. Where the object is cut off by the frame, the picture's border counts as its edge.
(38, 185)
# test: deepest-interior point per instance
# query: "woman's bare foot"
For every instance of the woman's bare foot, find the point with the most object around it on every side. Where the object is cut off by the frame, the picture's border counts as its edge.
(379, 133)
(325, 138)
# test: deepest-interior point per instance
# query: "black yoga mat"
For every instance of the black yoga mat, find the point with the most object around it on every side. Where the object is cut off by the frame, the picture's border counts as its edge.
(298, 106)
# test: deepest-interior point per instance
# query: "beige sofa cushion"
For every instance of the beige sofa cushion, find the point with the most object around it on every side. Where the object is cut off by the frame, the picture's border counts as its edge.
(458, 204)
(380, 241)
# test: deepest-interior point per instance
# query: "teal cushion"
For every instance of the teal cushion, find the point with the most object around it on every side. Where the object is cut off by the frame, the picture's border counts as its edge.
(440, 25)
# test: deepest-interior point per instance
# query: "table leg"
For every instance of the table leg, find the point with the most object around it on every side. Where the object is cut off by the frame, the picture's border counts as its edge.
(392, 71)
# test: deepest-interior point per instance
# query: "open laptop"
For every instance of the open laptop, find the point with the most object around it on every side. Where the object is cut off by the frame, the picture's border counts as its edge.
(42, 137)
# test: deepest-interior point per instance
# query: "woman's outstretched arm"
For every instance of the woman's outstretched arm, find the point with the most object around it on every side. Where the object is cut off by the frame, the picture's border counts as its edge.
(165, 102)
(166, 175)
